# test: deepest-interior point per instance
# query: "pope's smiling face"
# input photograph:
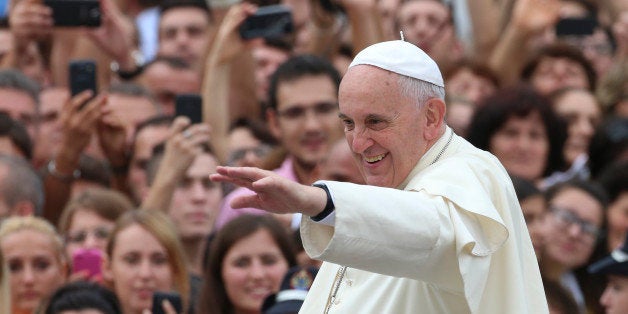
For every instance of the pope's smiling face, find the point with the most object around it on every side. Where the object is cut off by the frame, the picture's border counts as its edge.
(384, 128)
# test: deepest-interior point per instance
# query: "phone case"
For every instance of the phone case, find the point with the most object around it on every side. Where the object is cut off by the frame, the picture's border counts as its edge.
(87, 259)
(82, 76)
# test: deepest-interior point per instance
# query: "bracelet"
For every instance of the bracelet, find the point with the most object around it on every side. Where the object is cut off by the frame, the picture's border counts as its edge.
(329, 206)
(66, 178)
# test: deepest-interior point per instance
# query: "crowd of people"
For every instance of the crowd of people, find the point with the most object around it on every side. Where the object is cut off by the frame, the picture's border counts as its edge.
(115, 176)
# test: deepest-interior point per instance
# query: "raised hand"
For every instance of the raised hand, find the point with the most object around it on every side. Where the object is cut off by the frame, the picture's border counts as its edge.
(273, 193)
(30, 20)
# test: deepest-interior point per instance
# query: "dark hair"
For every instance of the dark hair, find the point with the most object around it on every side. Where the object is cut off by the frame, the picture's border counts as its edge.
(214, 297)
(16, 132)
(83, 295)
(608, 144)
(559, 298)
(518, 101)
(614, 179)
(172, 62)
(593, 189)
(155, 121)
(559, 50)
(94, 170)
(174, 4)
(297, 67)
(524, 188)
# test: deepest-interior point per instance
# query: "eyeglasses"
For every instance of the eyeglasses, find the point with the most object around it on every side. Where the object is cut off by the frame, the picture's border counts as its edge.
(78, 237)
(566, 218)
(298, 112)
(259, 151)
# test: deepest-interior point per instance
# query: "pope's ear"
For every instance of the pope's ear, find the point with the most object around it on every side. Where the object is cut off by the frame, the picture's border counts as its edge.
(435, 117)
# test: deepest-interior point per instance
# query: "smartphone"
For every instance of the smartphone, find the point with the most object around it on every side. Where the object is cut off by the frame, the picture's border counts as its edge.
(73, 13)
(189, 105)
(82, 76)
(172, 297)
(272, 21)
(576, 26)
(87, 259)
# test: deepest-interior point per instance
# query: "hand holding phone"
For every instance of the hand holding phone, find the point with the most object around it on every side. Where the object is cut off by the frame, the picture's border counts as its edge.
(173, 298)
(272, 21)
(191, 106)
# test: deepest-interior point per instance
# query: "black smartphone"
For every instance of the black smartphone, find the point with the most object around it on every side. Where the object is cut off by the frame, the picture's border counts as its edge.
(576, 26)
(189, 105)
(331, 6)
(73, 13)
(272, 21)
(82, 76)
(172, 297)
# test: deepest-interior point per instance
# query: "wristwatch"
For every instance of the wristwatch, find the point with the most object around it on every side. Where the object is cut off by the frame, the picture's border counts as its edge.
(138, 61)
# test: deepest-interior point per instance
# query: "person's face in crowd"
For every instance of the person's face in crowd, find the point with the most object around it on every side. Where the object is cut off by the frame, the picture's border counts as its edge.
(306, 119)
(422, 21)
(596, 48)
(196, 200)
(184, 33)
(300, 19)
(552, 74)
(459, 114)
(35, 267)
(469, 86)
(583, 113)
(340, 166)
(165, 82)
(384, 128)
(573, 221)
(615, 296)
(145, 140)
(244, 149)
(19, 106)
(50, 133)
(138, 266)
(534, 208)
(132, 110)
(387, 10)
(617, 218)
(522, 146)
(252, 270)
(267, 59)
(87, 230)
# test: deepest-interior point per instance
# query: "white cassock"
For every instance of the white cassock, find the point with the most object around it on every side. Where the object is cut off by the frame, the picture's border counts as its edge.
(450, 239)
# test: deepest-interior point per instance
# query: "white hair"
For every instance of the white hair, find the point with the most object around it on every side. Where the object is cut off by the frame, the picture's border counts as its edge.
(420, 90)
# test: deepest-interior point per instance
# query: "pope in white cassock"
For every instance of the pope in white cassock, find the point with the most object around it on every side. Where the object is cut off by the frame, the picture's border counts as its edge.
(438, 228)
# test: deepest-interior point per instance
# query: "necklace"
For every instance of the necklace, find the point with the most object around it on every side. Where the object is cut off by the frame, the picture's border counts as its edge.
(340, 275)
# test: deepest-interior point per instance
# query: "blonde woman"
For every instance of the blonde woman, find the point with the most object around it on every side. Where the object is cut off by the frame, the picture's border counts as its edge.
(35, 259)
(144, 255)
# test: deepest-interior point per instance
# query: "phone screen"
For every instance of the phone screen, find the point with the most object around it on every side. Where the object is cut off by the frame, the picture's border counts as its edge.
(89, 260)
(191, 106)
(172, 297)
